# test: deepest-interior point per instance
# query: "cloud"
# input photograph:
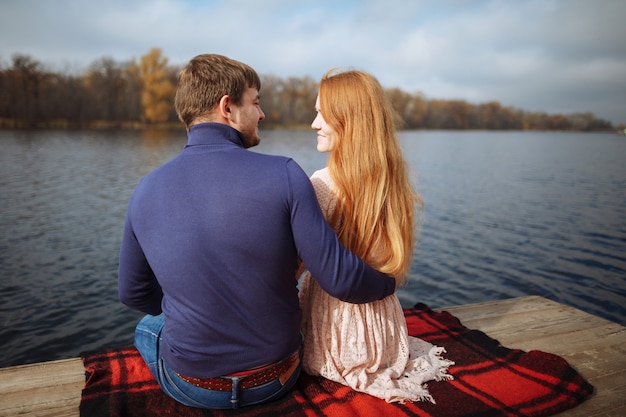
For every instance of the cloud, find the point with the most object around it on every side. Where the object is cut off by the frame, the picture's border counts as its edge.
(538, 55)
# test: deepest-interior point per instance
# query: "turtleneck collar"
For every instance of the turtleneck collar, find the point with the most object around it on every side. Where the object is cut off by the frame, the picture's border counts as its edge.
(213, 134)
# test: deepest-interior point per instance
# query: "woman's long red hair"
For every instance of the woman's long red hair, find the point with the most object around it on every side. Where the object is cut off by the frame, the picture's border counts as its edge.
(376, 209)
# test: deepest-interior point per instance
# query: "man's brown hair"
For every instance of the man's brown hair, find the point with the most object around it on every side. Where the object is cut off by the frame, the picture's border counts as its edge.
(205, 80)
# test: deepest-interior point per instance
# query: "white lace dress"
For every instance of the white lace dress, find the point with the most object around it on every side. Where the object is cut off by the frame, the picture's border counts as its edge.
(364, 346)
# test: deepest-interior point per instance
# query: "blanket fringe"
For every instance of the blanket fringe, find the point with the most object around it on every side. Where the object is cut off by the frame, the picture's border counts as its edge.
(426, 363)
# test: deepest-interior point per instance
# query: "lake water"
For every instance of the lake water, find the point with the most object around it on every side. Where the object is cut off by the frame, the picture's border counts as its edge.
(507, 214)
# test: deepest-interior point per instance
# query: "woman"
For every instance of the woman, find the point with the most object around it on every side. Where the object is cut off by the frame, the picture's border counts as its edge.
(366, 195)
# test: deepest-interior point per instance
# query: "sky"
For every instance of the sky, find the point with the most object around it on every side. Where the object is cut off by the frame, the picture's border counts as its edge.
(553, 56)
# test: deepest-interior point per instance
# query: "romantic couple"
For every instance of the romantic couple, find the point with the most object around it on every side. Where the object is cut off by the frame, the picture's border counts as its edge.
(216, 239)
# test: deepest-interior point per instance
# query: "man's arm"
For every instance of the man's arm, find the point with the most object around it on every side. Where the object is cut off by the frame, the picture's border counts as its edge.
(338, 271)
(137, 285)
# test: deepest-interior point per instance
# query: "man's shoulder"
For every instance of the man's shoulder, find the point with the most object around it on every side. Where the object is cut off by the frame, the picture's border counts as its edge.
(267, 157)
(278, 161)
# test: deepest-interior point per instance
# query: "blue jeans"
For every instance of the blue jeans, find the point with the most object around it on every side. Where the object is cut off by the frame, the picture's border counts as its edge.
(148, 342)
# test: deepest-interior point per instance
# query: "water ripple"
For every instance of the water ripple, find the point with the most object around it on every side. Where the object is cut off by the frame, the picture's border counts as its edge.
(506, 215)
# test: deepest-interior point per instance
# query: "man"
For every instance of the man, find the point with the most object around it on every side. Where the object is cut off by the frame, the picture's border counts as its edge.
(211, 245)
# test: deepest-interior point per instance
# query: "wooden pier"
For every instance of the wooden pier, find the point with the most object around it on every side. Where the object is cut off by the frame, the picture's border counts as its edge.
(594, 346)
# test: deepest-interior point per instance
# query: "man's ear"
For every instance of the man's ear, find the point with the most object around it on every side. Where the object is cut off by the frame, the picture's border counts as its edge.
(224, 107)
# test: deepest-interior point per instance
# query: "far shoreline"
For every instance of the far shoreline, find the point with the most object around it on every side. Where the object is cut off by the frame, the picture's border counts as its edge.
(6, 124)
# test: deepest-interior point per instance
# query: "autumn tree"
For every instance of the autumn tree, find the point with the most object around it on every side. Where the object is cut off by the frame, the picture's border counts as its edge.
(297, 98)
(157, 88)
(271, 88)
(106, 84)
(401, 102)
(65, 101)
(21, 87)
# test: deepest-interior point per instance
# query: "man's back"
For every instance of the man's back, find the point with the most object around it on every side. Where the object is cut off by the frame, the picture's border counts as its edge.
(214, 224)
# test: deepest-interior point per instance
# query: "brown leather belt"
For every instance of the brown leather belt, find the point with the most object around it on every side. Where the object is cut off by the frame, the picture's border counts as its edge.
(280, 370)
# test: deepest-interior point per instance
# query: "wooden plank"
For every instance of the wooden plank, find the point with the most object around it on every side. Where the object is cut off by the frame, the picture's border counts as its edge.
(594, 346)
(49, 389)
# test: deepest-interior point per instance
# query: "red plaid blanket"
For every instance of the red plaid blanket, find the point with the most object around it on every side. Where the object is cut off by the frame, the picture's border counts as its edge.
(489, 380)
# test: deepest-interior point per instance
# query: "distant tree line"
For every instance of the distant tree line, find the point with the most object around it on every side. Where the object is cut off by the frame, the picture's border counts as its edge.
(140, 92)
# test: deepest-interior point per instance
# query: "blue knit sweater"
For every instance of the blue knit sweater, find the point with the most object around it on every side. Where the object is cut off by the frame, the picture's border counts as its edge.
(212, 239)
